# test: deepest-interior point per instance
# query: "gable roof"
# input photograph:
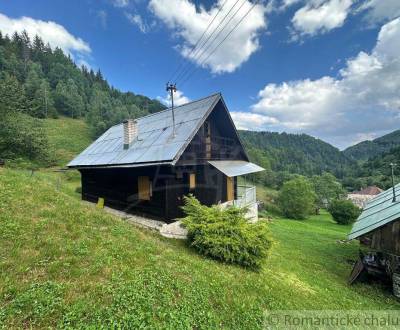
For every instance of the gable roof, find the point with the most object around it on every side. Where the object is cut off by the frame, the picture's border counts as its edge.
(377, 213)
(371, 190)
(155, 143)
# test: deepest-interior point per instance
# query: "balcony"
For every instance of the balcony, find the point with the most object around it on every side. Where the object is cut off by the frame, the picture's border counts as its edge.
(246, 195)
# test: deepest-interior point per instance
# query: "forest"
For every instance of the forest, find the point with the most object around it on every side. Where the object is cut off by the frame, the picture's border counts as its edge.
(37, 81)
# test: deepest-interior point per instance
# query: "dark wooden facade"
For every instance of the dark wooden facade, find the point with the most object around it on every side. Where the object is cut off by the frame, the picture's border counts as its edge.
(385, 239)
(216, 139)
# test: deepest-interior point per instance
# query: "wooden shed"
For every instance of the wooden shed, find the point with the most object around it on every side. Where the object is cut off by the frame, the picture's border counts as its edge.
(147, 165)
(378, 230)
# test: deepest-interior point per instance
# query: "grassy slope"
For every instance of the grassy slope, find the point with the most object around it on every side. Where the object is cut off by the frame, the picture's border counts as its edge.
(68, 137)
(63, 263)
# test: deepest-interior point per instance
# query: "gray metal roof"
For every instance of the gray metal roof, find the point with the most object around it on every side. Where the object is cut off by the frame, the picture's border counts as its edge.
(235, 167)
(155, 142)
(378, 212)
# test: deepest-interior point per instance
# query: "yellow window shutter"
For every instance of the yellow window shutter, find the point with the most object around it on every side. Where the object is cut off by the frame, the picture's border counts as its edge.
(192, 181)
(230, 188)
(144, 188)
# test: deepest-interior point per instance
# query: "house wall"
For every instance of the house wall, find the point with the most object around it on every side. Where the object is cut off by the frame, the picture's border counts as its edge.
(223, 141)
(385, 239)
(119, 188)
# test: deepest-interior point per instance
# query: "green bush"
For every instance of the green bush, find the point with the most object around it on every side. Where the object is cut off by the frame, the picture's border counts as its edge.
(344, 211)
(225, 234)
(297, 198)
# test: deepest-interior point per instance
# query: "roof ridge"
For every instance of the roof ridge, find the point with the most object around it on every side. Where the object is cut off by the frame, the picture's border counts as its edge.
(169, 109)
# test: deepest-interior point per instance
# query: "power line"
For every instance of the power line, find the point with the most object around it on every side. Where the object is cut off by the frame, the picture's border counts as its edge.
(198, 41)
(204, 51)
(205, 42)
(213, 51)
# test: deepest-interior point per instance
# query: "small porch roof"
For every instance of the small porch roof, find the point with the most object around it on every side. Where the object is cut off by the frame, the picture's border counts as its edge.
(235, 167)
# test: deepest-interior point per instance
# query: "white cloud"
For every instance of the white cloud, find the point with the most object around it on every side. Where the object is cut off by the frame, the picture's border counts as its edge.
(102, 16)
(319, 16)
(120, 3)
(188, 22)
(380, 10)
(252, 121)
(55, 34)
(364, 100)
(179, 99)
(137, 20)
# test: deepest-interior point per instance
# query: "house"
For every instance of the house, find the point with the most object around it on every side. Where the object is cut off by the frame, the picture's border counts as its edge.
(146, 166)
(362, 197)
(378, 230)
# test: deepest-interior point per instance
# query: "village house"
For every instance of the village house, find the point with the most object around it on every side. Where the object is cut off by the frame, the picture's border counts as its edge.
(362, 197)
(145, 166)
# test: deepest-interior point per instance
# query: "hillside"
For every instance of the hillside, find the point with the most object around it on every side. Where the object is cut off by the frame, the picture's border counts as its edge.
(369, 149)
(67, 264)
(39, 82)
(297, 153)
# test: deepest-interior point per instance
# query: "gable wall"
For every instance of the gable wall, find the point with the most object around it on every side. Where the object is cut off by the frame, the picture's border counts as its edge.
(225, 144)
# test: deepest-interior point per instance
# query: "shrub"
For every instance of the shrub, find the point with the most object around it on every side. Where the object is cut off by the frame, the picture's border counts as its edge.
(297, 198)
(224, 234)
(344, 211)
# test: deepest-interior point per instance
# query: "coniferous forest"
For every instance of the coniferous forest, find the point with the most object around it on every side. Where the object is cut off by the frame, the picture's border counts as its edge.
(37, 81)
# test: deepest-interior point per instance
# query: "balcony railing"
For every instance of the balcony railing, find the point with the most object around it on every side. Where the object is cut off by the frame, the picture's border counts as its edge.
(246, 195)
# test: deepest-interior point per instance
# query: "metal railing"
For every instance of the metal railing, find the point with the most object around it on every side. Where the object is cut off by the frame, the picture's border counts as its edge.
(246, 195)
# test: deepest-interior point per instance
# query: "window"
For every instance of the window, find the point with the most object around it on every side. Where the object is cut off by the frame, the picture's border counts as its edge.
(144, 188)
(192, 181)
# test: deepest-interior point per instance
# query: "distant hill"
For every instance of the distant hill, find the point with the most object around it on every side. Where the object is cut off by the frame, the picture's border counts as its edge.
(369, 149)
(297, 153)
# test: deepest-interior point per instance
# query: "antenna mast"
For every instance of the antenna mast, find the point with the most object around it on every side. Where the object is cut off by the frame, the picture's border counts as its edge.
(172, 89)
(392, 165)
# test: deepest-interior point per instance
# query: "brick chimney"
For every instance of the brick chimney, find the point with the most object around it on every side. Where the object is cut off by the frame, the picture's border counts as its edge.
(130, 132)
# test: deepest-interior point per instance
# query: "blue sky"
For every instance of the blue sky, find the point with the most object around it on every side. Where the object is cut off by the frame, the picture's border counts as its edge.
(329, 68)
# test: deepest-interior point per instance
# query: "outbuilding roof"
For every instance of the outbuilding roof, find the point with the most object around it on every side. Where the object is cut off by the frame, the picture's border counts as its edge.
(377, 213)
(155, 143)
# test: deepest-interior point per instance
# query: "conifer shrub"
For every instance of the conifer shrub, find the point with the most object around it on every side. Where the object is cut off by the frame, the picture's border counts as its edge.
(343, 211)
(225, 234)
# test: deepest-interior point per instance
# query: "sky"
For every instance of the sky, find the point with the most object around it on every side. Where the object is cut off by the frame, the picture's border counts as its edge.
(328, 68)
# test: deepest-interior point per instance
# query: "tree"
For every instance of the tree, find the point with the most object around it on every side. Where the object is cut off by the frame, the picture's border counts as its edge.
(326, 189)
(12, 95)
(68, 100)
(297, 198)
(344, 211)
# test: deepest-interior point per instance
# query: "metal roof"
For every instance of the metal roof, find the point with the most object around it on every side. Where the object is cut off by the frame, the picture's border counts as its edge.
(235, 167)
(378, 212)
(155, 142)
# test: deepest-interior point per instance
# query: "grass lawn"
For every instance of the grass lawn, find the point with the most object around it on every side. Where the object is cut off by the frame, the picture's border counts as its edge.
(69, 265)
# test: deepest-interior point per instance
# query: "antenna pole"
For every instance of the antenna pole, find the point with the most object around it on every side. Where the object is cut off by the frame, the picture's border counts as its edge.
(394, 190)
(172, 89)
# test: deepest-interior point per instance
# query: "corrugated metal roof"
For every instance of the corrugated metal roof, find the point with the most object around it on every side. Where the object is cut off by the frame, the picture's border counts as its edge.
(378, 212)
(155, 142)
(235, 167)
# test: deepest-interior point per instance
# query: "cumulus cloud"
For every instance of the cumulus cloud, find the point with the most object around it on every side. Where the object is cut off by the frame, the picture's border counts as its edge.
(363, 101)
(138, 21)
(179, 99)
(189, 22)
(319, 16)
(380, 10)
(55, 34)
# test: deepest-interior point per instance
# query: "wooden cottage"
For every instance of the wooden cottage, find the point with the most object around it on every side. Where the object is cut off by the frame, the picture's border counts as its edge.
(147, 165)
(378, 230)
